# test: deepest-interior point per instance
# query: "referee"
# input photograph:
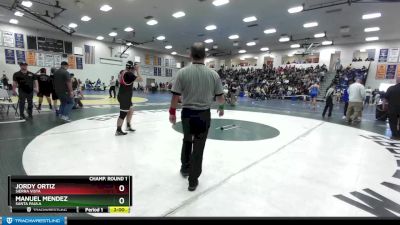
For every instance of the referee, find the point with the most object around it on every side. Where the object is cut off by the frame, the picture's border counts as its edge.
(197, 85)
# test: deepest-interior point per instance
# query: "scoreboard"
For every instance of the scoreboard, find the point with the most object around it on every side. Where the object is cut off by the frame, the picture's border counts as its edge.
(70, 194)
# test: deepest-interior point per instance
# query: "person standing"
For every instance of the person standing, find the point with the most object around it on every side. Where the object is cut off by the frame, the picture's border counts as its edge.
(27, 83)
(329, 101)
(197, 85)
(63, 89)
(368, 96)
(127, 77)
(54, 96)
(392, 100)
(112, 86)
(45, 88)
(346, 102)
(314, 91)
(4, 80)
(356, 99)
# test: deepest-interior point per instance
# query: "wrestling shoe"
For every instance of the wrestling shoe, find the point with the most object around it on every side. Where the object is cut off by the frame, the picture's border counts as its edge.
(120, 133)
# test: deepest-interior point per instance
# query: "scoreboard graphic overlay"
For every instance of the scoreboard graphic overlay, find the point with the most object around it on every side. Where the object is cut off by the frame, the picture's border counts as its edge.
(70, 194)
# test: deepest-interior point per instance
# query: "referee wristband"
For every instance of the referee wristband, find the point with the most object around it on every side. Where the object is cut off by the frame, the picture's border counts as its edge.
(221, 107)
(172, 111)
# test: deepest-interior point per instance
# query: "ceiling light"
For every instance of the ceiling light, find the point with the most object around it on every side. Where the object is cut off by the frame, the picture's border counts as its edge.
(100, 38)
(250, 19)
(363, 50)
(209, 41)
(73, 25)
(327, 42)
(242, 51)
(168, 46)
(105, 8)
(233, 37)
(215, 47)
(371, 16)
(207, 49)
(251, 43)
(211, 27)
(27, 3)
(320, 35)
(295, 46)
(129, 29)
(113, 34)
(372, 38)
(296, 9)
(14, 21)
(290, 55)
(18, 13)
(128, 43)
(284, 39)
(312, 24)
(220, 2)
(372, 29)
(161, 38)
(174, 53)
(264, 49)
(270, 31)
(256, 57)
(152, 22)
(86, 18)
(179, 14)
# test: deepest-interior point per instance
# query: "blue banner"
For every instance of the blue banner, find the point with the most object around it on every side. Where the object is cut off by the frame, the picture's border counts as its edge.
(391, 72)
(10, 56)
(19, 41)
(79, 63)
(383, 55)
(33, 220)
(20, 56)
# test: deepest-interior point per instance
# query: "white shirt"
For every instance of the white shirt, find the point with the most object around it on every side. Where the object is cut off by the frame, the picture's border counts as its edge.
(356, 92)
(368, 92)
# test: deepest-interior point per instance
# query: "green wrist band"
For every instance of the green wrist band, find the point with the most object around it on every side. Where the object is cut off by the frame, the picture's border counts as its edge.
(221, 107)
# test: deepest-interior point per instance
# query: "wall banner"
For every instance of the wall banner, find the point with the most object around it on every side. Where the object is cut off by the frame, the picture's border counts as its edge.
(20, 56)
(19, 41)
(31, 58)
(10, 56)
(391, 72)
(393, 55)
(383, 55)
(381, 72)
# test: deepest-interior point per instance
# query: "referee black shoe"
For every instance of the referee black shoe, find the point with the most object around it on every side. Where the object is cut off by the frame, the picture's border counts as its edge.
(184, 172)
(120, 133)
(193, 185)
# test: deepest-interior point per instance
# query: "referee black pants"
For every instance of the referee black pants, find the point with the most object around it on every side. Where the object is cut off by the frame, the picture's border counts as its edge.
(25, 97)
(112, 90)
(196, 124)
(394, 120)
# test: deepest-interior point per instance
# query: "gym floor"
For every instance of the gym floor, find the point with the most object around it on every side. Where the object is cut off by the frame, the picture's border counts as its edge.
(272, 158)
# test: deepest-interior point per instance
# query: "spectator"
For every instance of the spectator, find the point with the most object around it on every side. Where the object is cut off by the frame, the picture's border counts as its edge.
(27, 83)
(368, 95)
(4, 80)
(63, 89)
(392, 99)
(356, 99)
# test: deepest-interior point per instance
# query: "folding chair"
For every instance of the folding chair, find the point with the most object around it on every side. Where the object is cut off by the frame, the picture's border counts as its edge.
(6, 101)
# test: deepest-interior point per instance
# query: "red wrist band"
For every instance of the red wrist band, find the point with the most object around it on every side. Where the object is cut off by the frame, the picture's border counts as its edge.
(172, 111)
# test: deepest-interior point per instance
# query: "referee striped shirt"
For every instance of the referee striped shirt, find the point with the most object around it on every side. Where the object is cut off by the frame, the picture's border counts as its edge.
(198, 85)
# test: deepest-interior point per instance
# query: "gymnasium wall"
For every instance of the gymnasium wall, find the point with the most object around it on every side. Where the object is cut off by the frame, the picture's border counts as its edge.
(102, 50)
